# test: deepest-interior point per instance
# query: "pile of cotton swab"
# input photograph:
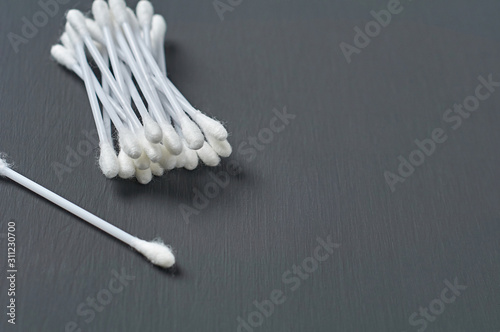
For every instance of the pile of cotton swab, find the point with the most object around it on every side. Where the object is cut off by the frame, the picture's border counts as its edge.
(158, 253)
(168, 131)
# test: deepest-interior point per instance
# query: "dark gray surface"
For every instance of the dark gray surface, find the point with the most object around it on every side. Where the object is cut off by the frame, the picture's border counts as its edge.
(323, 175)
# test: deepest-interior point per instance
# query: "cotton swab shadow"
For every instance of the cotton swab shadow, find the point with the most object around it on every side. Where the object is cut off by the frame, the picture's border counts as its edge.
(176, 187)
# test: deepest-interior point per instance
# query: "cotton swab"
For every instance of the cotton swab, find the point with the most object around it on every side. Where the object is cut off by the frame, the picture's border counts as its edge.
(145, 12)
(156, 252)
(127, 47)
(208, 155)
(209, 125)
(108, 160)
(158, 32)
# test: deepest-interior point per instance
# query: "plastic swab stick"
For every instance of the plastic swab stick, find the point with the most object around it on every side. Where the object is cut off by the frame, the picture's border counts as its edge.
(156, 252)
(214, 127)
(108, 161)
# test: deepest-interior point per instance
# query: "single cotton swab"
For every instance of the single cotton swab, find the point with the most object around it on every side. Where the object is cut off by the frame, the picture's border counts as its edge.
(108, 160)
(156, 252)
(158, 32)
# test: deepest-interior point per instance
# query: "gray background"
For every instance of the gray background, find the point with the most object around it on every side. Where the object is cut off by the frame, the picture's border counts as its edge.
(323, 175)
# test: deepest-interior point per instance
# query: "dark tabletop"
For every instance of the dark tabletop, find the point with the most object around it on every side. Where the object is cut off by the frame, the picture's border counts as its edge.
(319, 222)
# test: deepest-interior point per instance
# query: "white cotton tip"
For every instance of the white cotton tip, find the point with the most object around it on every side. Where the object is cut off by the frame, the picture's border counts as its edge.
(77, 21)
(4, 165)
(208, 155)
(129, 144)
(157, 170)
(168, 161)
(144, 176)
(156, 252)
(191, 133)
(95, 31)
(158, 32)
(73, 35)
(63, 56)
(211, 126)
(180, 160)
(132, 19)
(158, 28)
(145, 12)
(108, 161)
(119, 10)
(127, 166)
(102, 15)
(223, 148)
(153, 151)
(171, 139)
(143, 162)
(152, 130)
(66, 41)
(191, 158)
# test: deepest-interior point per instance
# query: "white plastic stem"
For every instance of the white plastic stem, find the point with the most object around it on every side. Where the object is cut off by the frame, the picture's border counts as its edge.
(153, 101)
(161, 58)
(107, 103)
(94, 103)
(115, 63)
(112, 82)
(161, 77)
(70, 207)
(134, 93)
(168, 108)
(157, 253)
(146, 32)
(185, 104)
